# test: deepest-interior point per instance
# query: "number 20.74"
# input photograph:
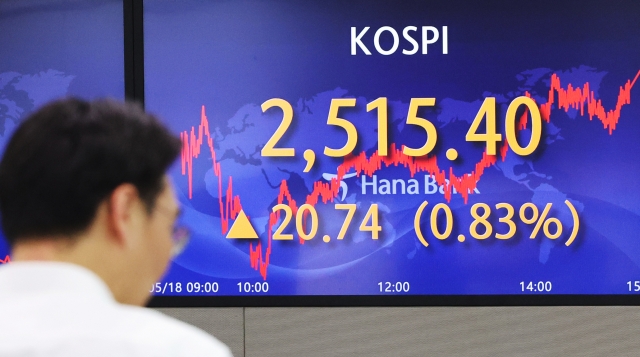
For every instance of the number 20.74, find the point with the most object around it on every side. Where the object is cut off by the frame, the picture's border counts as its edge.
(488, 110)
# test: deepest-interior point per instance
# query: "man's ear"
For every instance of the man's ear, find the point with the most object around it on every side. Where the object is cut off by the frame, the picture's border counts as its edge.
(121, 210)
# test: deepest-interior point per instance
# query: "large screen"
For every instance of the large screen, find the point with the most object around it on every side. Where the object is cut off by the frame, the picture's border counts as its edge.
(385, 148)
(56, 48)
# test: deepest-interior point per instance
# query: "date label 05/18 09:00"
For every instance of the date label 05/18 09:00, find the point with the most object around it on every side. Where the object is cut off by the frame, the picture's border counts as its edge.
(190, 287)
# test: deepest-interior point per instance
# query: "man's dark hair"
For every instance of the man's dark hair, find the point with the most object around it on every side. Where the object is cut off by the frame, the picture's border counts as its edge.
(68, 156)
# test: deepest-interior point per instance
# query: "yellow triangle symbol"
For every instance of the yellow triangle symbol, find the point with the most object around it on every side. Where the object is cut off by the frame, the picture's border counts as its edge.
(242, 228)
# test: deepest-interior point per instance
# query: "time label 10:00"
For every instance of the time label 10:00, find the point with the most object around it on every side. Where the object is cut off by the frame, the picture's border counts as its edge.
(487, 110)
(258, 287)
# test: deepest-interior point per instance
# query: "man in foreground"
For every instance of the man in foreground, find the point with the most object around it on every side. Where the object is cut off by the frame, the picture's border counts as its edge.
(90, 213)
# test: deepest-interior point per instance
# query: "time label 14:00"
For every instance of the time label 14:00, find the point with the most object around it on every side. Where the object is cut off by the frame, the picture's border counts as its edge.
(487, 110)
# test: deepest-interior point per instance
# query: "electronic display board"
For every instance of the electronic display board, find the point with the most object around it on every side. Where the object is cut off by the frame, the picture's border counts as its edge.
(56, 48)
(400, 149)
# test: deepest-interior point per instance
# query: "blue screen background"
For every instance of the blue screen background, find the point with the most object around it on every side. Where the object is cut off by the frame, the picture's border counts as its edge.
(230, 57)
(52, 49)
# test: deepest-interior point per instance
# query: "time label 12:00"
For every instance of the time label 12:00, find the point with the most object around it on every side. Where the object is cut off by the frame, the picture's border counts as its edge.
(394, 287)
(487, 110)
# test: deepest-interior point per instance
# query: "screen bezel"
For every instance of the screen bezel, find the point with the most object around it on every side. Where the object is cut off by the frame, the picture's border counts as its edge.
(393, 300)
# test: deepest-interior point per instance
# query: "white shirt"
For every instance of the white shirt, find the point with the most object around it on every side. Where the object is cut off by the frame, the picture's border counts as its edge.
(58, 309)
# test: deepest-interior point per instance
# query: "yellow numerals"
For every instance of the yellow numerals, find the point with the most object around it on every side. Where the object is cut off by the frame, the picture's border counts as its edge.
(491, 136)
(481, 227)
(448, 221)
(482, 220)
(351, 211)
(269, 148)
(288, 212)
(371, 216)
(413, 119)
(352, 134)
(306, 221)
(379, 105)
(487, 113)
(507, 220)
(304, 211)
(536, 126)
(383, 124)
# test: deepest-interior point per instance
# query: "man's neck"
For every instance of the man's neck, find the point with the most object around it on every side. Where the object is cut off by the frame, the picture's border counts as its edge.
(40, 249)
(86, 251)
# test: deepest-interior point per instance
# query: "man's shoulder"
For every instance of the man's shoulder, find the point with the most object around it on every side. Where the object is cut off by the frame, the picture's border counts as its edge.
(98, 328)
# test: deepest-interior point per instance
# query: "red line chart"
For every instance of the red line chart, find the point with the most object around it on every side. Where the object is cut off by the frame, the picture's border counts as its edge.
(568, 97)
(6, 259)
